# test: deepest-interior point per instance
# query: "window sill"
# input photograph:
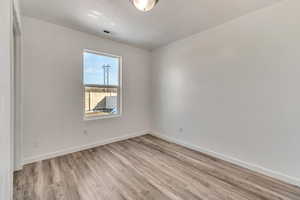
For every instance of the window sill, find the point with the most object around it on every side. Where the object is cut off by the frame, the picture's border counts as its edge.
(101, 117)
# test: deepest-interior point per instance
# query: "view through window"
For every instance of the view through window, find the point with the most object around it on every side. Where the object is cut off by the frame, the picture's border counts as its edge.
(101, 84)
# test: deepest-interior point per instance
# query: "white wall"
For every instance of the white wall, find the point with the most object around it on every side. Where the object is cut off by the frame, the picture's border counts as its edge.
(53, 92)
(234, 89)
(5, 100)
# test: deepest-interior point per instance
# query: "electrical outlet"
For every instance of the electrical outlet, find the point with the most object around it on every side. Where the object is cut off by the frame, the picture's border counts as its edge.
(85, 132)
(180, 130)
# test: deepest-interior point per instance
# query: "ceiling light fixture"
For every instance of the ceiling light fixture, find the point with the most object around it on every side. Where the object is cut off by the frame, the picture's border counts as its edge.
(144, 5)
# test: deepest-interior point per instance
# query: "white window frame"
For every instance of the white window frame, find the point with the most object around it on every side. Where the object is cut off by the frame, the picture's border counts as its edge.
(120, 91)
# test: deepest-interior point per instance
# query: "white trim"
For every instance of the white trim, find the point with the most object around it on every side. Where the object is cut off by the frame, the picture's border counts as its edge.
(253, 167)
(101, 117)
(17, 103)
(16, 64)
(18, 167)
(81, 148)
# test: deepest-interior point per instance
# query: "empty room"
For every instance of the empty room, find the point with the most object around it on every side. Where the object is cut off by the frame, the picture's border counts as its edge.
(150, 100)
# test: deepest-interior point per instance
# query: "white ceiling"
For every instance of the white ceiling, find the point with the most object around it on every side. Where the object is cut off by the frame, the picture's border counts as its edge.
(170, 20)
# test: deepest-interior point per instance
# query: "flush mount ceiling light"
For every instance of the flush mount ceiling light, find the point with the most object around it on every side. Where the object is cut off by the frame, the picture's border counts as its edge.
(144, 5)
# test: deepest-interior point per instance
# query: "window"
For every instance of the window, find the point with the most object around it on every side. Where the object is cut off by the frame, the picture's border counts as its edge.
(102, 85)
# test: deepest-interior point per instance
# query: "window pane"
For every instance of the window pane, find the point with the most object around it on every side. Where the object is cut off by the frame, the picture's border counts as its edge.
(101, 101)
(100, 69)
(101, 83)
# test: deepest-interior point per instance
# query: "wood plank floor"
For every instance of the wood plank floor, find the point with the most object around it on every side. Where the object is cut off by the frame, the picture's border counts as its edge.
(145, 168)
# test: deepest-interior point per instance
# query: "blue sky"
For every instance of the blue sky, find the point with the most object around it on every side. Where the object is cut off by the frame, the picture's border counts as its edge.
(93, 69)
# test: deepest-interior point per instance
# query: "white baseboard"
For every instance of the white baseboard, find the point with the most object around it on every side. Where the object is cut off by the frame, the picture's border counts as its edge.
(81, 148)
(253, 167)
(18, 167)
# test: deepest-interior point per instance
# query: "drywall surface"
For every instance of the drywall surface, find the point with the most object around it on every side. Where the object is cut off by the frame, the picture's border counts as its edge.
(6, 153)
(53, 92)
(234, 89)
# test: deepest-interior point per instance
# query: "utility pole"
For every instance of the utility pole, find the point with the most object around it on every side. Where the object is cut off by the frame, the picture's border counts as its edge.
(106, 69)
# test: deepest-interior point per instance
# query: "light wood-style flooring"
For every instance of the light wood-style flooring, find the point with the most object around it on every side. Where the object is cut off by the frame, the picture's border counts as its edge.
(145, 168)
